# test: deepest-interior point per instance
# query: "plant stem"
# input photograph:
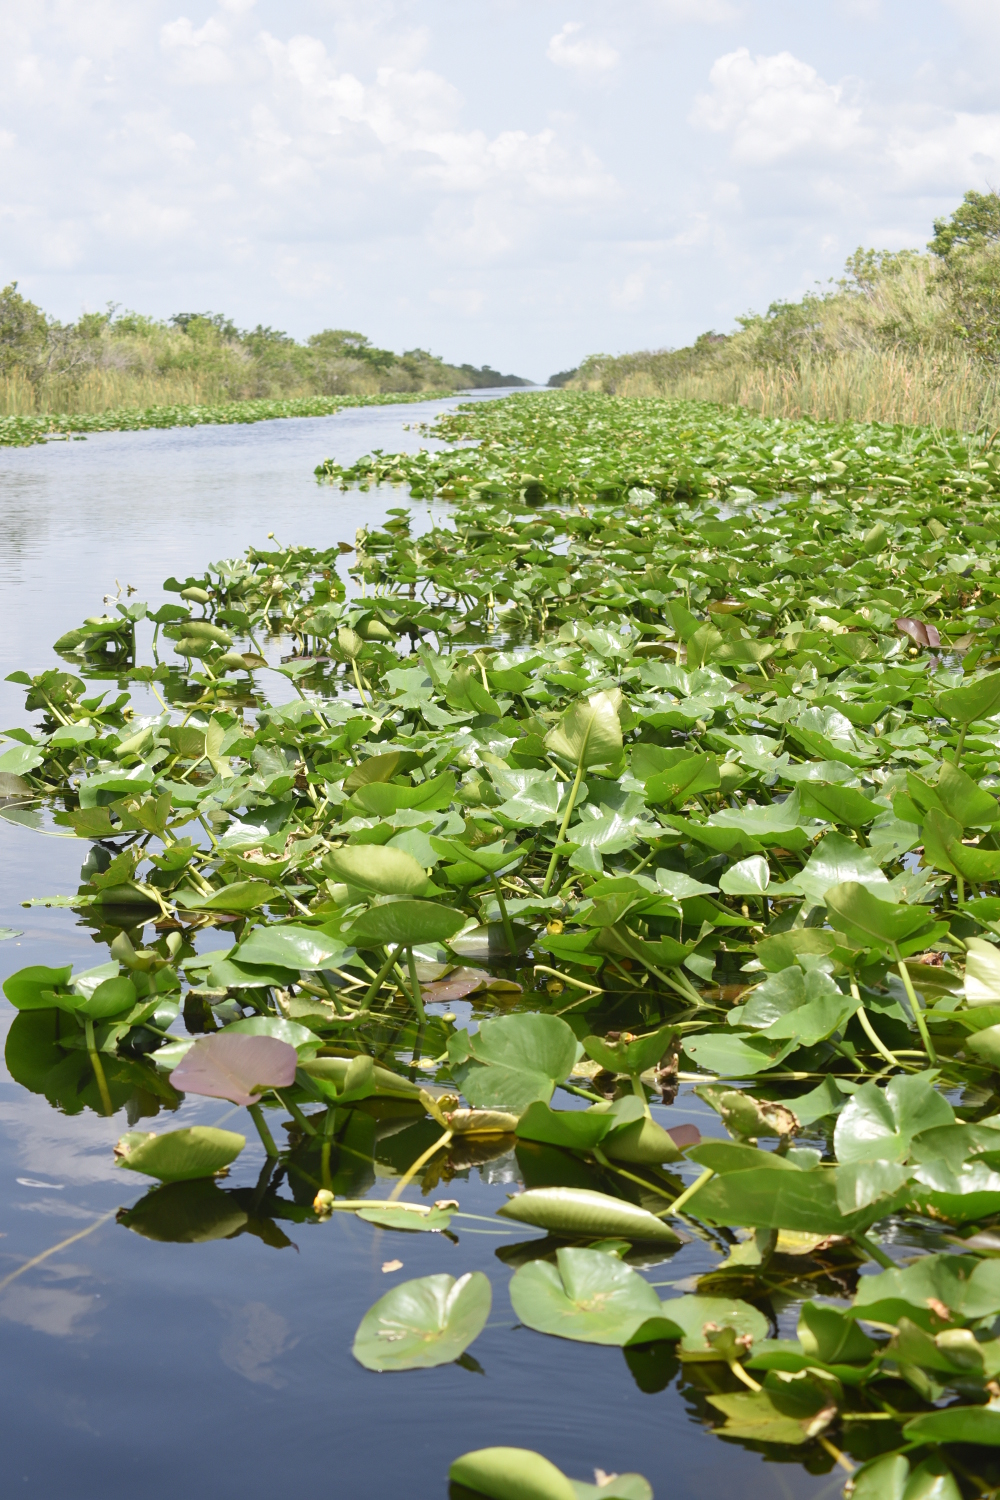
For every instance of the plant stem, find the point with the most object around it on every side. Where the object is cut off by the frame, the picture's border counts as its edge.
(508, 929)
(415, 995)
(296, 1114)
(688, 1193)
(918, 1014)
(873, 1251)
(835, 1454)
(254, 1110)
(421, 1161)
(875, 1039)
(562, 829)
(378, 981)
(95, 1063)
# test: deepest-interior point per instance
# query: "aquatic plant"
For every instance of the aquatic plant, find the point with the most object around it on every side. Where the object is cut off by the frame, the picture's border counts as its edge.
(676, 754)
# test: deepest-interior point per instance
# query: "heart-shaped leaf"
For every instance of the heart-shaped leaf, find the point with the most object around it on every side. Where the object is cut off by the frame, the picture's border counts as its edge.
(406, 923)
(227, 1065)
(590, 732)
(290, 947)
(422, 1323)
(587, 1295)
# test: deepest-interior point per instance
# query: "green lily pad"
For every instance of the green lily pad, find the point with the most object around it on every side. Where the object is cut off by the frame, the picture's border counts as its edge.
(422, 1323)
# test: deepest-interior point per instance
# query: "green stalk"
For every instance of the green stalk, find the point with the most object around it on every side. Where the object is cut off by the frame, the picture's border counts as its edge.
(562, 830)
(378, 981)
(95, 1063)
(296, 1114)
(415, 995)
(687, 1194)
(869, 1029)
(916, 1007)
(267, 1138)
(873, 1251)
(421, 1161)
(508, 928)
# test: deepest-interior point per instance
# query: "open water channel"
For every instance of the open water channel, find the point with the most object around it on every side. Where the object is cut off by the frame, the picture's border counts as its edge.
(133, 1367)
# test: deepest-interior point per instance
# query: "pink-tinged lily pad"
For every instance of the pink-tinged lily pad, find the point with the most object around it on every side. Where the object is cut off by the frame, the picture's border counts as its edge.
(684, 1136)
(455, 985)
(920, 633)
(235, 1067)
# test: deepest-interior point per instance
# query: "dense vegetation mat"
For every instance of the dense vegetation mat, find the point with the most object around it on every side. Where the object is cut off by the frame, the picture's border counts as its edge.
(676, 754)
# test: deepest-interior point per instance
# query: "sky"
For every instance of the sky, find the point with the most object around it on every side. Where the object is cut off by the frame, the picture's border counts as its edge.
(512, 182)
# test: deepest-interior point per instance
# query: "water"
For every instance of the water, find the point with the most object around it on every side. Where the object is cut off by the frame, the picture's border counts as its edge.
(224, 1368)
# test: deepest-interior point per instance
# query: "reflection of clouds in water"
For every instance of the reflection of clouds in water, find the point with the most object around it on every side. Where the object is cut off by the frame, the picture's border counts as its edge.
(82, 1145)
(59, 1208)
(257, 1335)
(46, 1309)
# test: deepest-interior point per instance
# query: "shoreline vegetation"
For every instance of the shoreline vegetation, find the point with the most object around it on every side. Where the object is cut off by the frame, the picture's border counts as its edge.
(21, 432)
(903, 337)
(122, 370)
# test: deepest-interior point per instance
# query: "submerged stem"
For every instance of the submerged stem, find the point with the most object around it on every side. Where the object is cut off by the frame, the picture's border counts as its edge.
(411, 1172)
(95, 1063)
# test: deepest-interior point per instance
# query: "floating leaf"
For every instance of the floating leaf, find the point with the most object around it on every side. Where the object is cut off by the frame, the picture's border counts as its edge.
(179, 1155)
(422, 1323)
(227, 1065)
(290, 947)
(586, 1295)
(511, 1474)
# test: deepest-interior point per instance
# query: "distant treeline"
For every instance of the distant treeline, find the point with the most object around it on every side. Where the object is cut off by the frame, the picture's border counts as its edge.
(904, 336)
(119, 359)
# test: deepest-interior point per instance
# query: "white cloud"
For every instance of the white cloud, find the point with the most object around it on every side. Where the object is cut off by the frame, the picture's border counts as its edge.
(779, 112)
(584, 55)
(777, 107)
(201, 56)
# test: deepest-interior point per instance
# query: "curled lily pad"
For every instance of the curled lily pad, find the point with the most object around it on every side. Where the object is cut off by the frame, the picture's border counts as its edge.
(372, 867)
(511, 1474)
(227, 1065)
(520, 1474)
(179, 1155)
(422, 1323)
(582, 1213)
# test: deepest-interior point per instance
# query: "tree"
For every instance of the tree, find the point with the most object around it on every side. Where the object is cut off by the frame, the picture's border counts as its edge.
(23, 332)
(974, 225)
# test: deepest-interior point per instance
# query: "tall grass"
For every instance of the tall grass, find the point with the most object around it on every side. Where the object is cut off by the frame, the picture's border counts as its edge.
(865, 385)
(883, 348)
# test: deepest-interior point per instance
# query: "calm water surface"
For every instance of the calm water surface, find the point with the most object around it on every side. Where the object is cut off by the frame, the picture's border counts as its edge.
(133, 1367)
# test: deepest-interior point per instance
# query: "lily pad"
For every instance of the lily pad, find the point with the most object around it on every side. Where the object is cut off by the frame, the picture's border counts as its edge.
(422, 1323)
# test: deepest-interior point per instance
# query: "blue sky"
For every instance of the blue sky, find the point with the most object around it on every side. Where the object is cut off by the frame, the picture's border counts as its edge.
(519, 182)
